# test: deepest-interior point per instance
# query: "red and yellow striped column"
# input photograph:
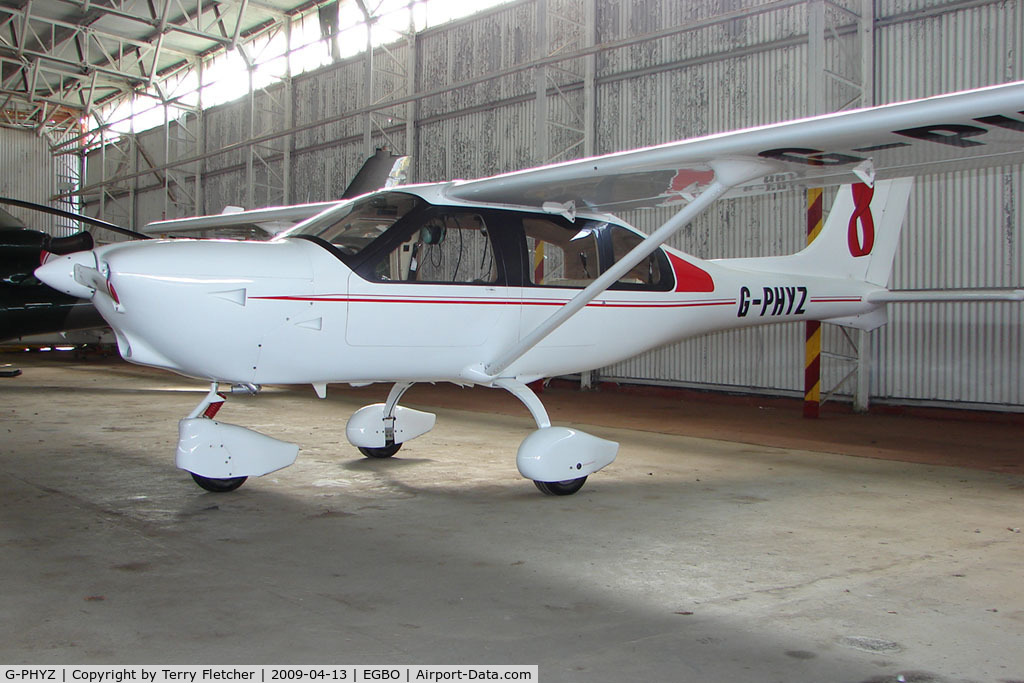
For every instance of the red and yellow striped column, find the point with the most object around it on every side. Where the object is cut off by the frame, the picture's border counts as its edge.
(812, 357)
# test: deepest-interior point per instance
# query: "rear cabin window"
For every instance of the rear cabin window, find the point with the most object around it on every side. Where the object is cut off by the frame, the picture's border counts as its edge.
(574, 256)
(651, 273)
(561, 257)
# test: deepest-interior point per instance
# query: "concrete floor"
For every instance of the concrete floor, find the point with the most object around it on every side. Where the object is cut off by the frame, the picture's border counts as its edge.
(688, 559)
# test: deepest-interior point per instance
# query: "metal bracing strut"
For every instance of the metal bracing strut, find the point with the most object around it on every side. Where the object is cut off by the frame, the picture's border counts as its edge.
(727, 174)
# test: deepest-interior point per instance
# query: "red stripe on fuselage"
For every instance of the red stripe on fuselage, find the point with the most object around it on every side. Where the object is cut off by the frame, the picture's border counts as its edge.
(496, 302)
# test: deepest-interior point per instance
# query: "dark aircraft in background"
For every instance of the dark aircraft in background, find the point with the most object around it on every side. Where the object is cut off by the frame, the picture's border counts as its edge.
(28, 307)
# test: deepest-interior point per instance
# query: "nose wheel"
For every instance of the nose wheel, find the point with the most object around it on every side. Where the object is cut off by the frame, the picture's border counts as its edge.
(218, 485)
(560, 488)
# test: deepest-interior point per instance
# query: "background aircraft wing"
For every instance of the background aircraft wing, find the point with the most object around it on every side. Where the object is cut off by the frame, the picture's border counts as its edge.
(971, 129)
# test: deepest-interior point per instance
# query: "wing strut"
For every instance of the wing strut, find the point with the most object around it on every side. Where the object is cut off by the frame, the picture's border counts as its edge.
(728, 173)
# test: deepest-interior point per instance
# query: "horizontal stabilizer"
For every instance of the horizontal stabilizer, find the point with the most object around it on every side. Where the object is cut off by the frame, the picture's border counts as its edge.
(923, 295)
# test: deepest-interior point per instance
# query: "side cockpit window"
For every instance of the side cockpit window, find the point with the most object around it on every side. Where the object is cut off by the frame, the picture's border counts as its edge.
(450, 247)
(560, 256)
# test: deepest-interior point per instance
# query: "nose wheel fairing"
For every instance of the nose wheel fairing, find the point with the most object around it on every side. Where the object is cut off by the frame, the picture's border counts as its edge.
(217, 450)
(219, 455)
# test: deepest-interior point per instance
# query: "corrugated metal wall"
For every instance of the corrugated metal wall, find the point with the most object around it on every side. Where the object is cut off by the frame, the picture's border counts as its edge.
(27, 173)
(964, 231)
(723, 82)
(478, 117)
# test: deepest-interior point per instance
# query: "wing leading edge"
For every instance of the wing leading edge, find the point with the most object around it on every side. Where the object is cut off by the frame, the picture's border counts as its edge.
(383, 169)
(276, 218)
(971, 129)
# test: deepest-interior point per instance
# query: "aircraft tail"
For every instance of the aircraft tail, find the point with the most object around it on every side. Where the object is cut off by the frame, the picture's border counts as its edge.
(860, 236)
(857, 243)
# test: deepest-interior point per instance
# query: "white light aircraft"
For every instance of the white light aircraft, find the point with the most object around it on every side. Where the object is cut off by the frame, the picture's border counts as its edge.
(504, 280)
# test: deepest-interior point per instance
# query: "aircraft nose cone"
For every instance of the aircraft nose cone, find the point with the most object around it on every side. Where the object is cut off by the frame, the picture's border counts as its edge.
(59, 272)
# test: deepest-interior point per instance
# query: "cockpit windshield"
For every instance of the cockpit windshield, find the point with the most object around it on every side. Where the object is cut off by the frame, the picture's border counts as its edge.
(351, 226)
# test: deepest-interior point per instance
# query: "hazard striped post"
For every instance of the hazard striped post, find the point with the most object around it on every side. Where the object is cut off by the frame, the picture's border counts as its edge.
(812, 357)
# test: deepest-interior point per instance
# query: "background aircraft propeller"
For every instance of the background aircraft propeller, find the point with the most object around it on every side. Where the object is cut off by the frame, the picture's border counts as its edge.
(28, 307)
(81, 218)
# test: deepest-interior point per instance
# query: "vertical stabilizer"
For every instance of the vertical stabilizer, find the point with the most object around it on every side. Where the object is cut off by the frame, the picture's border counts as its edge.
(861, 234)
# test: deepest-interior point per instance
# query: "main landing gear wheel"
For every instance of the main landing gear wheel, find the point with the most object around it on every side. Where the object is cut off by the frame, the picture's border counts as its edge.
(560, 488)
(381, 452)
(218, 485)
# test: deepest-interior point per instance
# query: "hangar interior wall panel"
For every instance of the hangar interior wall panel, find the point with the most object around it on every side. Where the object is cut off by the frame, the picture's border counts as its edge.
(325, 172)
(29, 174)
(960, 232)
(323, 94)
(149, 193)
(476, 114)
(226, 125)
(456, 148)
(484, 47)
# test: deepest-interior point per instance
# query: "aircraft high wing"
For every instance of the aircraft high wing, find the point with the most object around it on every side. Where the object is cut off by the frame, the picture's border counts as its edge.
(500, 281)
(382, 170)
(945, 133)
(234, 222)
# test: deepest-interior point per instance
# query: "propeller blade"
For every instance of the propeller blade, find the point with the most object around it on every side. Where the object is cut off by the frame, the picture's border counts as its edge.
(74, 216)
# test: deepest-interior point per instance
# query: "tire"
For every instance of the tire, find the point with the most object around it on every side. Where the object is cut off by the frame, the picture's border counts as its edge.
(218, 485)
(381, 452)
(560, 488)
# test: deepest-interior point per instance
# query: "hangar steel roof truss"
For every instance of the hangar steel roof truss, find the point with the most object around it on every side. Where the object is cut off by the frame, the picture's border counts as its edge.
(60, 58)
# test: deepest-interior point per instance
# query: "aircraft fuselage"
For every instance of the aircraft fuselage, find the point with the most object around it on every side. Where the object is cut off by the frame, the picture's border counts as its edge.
(417, 291)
